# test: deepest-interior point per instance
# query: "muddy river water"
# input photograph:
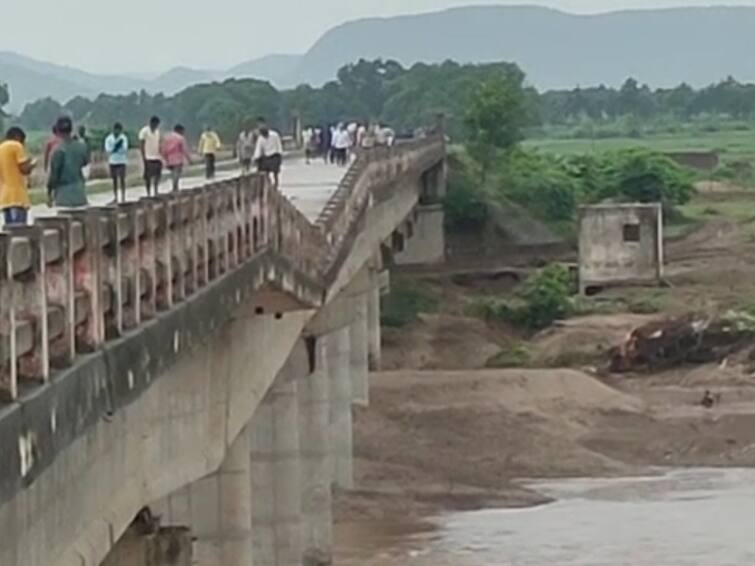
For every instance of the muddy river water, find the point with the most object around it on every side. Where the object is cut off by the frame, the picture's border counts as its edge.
(699, 517)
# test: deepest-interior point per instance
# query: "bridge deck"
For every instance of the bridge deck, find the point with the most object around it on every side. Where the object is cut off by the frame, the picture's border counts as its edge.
(308, 187)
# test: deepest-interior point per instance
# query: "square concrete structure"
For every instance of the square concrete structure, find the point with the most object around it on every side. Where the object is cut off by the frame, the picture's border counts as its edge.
(619, 244)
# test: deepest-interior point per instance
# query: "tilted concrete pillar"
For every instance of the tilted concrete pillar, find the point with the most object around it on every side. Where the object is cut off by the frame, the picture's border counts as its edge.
(276, 476)
(317, 468)
(358, 347)
(218, 510)
(339, 376)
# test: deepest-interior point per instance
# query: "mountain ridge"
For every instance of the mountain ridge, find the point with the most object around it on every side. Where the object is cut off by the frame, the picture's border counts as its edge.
(662, 47)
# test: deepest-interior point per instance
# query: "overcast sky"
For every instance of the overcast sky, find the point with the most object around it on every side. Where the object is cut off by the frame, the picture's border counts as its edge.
(153, 35)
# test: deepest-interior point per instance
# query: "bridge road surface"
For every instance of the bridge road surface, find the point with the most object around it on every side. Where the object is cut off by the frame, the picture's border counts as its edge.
(308, 187)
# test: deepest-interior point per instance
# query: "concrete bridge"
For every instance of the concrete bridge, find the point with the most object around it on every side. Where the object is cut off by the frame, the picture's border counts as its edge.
(198, 354)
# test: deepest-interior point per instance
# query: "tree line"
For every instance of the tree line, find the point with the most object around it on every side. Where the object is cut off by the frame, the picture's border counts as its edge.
(405, 98)
(385, 91)
(727, 98)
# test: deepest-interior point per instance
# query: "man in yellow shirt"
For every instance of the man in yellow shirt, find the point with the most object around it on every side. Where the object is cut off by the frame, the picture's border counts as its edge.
(15, 166)
(209, 144)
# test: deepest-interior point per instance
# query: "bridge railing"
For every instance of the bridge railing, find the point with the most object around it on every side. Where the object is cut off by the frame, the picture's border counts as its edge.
(372, 169)
(71, 282)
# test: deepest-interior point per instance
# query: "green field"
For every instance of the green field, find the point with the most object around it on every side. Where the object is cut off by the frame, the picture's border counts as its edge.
(733, 145)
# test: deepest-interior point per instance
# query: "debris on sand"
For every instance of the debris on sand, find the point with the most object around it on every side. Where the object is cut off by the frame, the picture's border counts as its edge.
(709, 400)
(696, 339)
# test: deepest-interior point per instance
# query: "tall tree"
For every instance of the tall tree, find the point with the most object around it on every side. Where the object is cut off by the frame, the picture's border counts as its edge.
(497, 113)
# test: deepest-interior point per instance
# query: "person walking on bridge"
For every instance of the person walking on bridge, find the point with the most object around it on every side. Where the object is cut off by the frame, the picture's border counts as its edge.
(175, 151)
(268, 155)
(66, 185)
(245, 146)
(15, 166)
(209, 145)
(150, 140)
(116, 147)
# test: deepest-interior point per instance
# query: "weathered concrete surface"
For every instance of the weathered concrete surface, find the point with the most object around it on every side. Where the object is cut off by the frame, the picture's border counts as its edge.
(620, 243)
(172, 434)
(341, 424)
(423, 236)
(166, 547)
(313, 390)
(217, 510)
(156, 409)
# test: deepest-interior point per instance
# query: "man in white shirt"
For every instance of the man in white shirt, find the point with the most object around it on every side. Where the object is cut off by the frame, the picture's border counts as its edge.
(268, 154)
(149, 143)
(342, 143)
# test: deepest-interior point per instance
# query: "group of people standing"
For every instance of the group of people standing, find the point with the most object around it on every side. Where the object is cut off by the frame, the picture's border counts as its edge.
(336, 143)
(67, 158)
(65, 162)
(158, 151)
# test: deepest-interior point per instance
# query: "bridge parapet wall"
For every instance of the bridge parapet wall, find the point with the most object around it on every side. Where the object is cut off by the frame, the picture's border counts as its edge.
(374, 170)
(72, 282)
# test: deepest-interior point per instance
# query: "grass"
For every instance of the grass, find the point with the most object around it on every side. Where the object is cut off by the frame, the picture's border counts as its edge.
(733, 145)
(514, 356)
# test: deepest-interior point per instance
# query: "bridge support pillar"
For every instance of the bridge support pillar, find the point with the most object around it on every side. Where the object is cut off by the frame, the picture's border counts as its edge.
(317, 468)
(358, 349)
(374, 335)
(222, 511)
(276, 476)
(217, 509)
(339, 365)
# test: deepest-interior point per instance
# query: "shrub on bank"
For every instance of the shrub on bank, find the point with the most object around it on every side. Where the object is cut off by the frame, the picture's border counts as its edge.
(544, 298)
(404, 304)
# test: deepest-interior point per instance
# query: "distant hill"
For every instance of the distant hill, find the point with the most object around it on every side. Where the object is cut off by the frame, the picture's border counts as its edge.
(555, 49)
(278, 69)
(30, 79)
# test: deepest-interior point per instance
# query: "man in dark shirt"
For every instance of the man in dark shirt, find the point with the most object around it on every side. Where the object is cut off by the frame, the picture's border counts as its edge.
(66, 185)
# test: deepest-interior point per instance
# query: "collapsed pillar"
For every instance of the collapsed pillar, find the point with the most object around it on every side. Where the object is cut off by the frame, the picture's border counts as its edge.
(339, 365)
(276, 476)
(358, 352)
(316, 465)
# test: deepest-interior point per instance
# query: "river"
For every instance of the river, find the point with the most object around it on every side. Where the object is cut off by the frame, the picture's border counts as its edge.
(697, 517)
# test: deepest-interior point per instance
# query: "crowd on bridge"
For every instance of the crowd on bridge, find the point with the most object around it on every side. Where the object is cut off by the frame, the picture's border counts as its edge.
(67, 157)
(338, 143)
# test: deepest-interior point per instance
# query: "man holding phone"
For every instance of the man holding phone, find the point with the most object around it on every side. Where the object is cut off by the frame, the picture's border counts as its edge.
(15, 166)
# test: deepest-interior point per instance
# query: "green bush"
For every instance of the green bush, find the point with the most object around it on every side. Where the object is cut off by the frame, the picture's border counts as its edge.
(540, 183)
(404, 303)
(465, 204)
(544, 298)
